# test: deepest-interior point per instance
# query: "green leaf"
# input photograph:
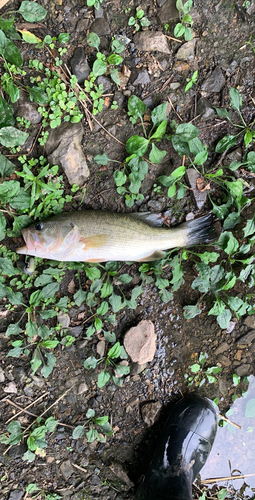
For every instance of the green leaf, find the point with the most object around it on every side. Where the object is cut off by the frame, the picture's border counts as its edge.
(51, 424)
(43, 279)
(125, 278)
(99, 67)
(103, 308)
(165, 295)
(223, 113)
(231, 220)
(6, 267)
(227, 242)
(187, 131)
(32, 11)
(48, 367)
(6, 166)
(16, 352)
(195, 368)
(31, 328)
(179, 30)
(122, 370)
(207, 257)
(224, 318)
(115, 351)
(92, 435)
(64, 37)
(11, 136)
(16, 298)
(35, 362)
(159, 114)
(201, 157)
(180, 146)
(160, 131)
(218, 308)
(136, 107)
(116, 303)
(225, 143)
(115, 76)
(8, 189)
(235, 188)
(248, 137)
(13, 329)
(22, 200)
(250, 408)
(50, 290)
(78, 432)
(115, 59)
(6, 24)
(11, 53)
(6, 113)
(120, 178)
(38, 95)
(156, 155)
(29, 456)
(2, 226)
(103, 378)
(250, 227)
(102, 159)
(135, 145)
(171, 191)
(90, 362)
(101, 420)
(191, 311)
(106, 290)
(19, 223)
(235, 99)
(188, 34)
(110, 336)
(93, 40)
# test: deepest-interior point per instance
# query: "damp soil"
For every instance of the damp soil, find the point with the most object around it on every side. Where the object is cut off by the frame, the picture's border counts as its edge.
(75, 469)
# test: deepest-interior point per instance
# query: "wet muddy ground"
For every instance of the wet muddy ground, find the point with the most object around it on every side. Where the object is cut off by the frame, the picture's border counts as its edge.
(75, 469)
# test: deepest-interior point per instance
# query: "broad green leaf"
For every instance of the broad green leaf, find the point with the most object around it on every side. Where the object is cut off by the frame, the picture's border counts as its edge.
(122, 370)
(235, 99)
(159, 132)
(31, 328)
(156, 155)
(103, 308)
(11, 53)
(99, 67)
(116, 303)
(195, 368)
(16, 352)
(35, 362)
(6, 24)
(223, 113)
(115, 76)
(187, 131)
(38, 95)
(207, 257)
(225, 143)
(49, 365)
(217, 308)
(103, 378)
(120, 178)
(2, 226)
(90, 362)
(92, 435)
(250, 227)
(136, 107)
(13, 329)
(19, 223)
(29, 456)
(50, 290)
(115, 351)
(6, 267)
(180, 146)
(50, 344)
(15, 298)
(115, 59)
(21, 201)
(32, 11)
(43, 279)
(110, 336)
(159, 114)
(165, 295)
(231, 220)
(11, 136)
(125, 278)
(179, 30)
(102, 159)
(135, 145)
(78, 432)
(6, 166)
(93, 40)
(249, 134)
(201, 157)
(8, 189)
(51, 424)
(227, 242)
(101, 420)
(29, 37)
(80, 297)
(191, 311)
(235, 188)
(224, 318)
(6, 113)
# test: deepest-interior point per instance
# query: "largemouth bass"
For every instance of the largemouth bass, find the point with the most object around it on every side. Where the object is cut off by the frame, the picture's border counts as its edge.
(95, 236)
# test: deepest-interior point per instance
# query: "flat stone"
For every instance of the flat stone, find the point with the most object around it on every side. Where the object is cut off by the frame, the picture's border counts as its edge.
(101, 27)
(107, 86)
(140, 342)
(187, 51)
(2, 375)
(63, 147)
(140, 78)
(224, 360)
(222, 348)
(11, 388)
(168, 12)
(250, 321)
(118, 470)
(101, 348)
(27, 109)
(246, 339)
(214, 82)
(149, 41)
(150, 412)
(243, 370)
(205, 108)
(16, 495)
(135, 368)
(79, 65)
(200, 197)
(19, 374)
(82, 388)
(66, 469)
(64, 319)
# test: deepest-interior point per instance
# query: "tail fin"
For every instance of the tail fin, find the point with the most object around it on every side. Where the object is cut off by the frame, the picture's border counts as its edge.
(200, 230)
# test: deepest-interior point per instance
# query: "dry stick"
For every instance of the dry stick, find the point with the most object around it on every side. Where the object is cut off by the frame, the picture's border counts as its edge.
(227, 478)
(78, 467)
(229, 421)
(25, 410)
(169, 100)
(174, 39)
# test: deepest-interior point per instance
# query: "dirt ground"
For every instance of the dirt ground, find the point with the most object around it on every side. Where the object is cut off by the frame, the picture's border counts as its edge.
(75, 469)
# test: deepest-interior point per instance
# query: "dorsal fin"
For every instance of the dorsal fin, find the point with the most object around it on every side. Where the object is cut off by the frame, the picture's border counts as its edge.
(154, 220)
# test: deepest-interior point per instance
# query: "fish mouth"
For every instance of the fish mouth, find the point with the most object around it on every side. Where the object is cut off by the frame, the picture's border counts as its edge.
(22, 250)
(32, 243)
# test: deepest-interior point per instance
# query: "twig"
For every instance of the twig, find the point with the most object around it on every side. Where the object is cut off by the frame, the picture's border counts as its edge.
(229, 421)
(169, 100)
(227, 478)
(78, 467)
(174, 39)
(25, 410)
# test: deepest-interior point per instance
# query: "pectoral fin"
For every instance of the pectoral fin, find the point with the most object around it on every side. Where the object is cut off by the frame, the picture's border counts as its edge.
(159, 254)
(96, 241)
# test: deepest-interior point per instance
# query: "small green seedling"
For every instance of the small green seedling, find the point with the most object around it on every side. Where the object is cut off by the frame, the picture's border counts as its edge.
(93, 434)
(191, 81)
(139, 20)
(116, 351)
(184, 27)
(200, 375)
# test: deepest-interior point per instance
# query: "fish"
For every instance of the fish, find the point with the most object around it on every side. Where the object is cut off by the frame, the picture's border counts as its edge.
(100, 236)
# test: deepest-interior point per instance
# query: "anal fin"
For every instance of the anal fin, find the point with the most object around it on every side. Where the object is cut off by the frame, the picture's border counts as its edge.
(159, 254)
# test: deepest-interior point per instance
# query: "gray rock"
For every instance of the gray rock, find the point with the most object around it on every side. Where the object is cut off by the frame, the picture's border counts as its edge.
(149, 41)
(168, 12)
(246, 339)
(118, 470)
(75, 330)
(66, 469)
(63, 147)
(79, 65)
(17, 450)
(2, 376)
(100, 26)
(27, 109)
(250, 321)
(11, 388)
(140, 78)
(223, 388)
(205, 108)
(160, 2)
(150, 412)
(95, 480)
(106, 83)
(119, 98)
(98, 13)
(135, 368)
(101, 348)
(38, 381)
(28, 391)
(82, 25)
(243, 370)
(199, 196)
(64, 319)
(140, 342)
(222, 348)
(16, 495)
(82, 388)
(187, 51)
(214, 82)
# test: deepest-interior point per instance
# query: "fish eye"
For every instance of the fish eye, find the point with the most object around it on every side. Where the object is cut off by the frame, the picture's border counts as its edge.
(39, 226)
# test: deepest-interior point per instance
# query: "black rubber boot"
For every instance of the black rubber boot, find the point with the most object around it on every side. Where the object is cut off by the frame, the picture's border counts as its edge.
(183, 448)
